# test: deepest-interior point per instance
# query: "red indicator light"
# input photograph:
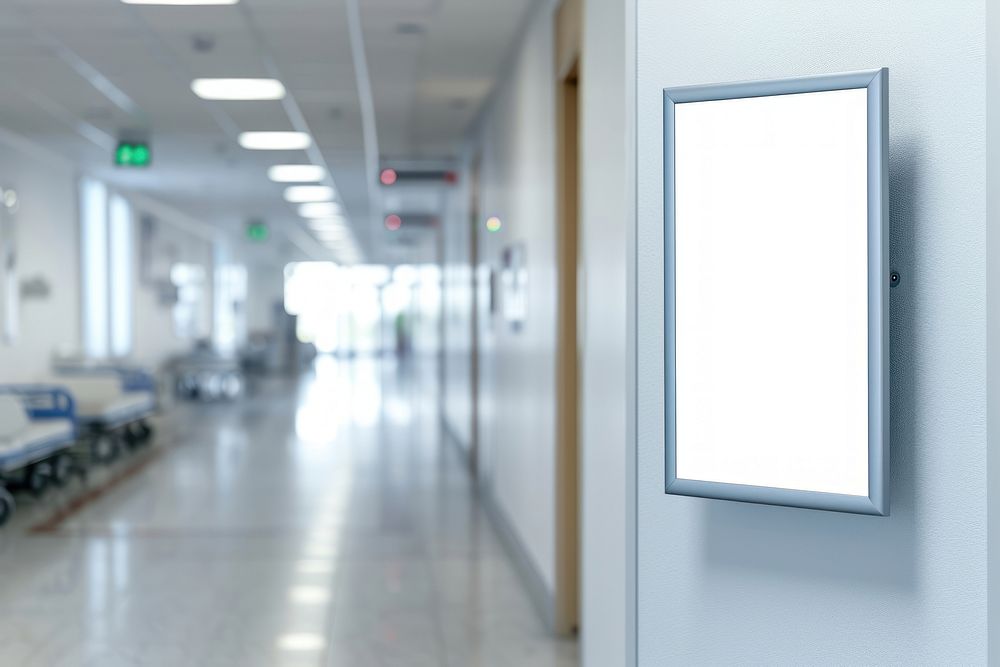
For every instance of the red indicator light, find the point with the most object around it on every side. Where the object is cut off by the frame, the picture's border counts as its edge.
(388, 177)
(393, 222)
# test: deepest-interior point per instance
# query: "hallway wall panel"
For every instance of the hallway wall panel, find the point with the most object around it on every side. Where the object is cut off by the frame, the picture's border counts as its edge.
(517, 431)
(606, 217)
(725, 583)
(156, 335)
(457, 314)
(48, 249)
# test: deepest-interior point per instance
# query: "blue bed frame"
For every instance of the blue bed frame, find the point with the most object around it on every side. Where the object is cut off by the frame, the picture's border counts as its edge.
(42, 403)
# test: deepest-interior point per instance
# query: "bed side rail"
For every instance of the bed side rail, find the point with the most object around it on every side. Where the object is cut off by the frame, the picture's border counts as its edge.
(44, 401)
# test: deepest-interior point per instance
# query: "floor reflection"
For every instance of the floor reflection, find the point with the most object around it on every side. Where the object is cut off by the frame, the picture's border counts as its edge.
(316, 523)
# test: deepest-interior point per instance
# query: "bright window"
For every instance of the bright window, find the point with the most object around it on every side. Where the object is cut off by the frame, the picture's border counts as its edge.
(94, 237)
(230, 302)
(121, 276)
(190, 282)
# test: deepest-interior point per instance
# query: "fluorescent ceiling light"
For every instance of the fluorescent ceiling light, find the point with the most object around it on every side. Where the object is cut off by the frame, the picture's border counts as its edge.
(296, 173)
(332, 236)
(275, 141)
(238, 89)
(301, 642)
(331, 233)
(180, 2)
(326, 209)
(333, 240)
(309, 595)
(330, 229)
(338, 222)
(301, 194)
(316, 567)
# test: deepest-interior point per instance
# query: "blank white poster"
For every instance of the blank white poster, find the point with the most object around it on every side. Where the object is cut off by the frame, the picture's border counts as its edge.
(771, 272)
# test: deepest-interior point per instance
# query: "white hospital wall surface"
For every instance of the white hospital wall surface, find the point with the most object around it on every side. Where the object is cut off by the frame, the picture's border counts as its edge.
(604, 224)
(728, 583)
(457, 314)
(266, 291)
(155, 337)
(993, 307)
(48, 249)
(516, 148)
(518, 179)
(516, 145)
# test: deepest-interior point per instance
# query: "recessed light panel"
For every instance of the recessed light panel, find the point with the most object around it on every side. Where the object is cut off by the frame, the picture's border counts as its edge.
(301, 642)
(331, 232)
(238, 89)
(296, 173)
(275, 141)
(301, 194)
(335, 222)
(327, 209)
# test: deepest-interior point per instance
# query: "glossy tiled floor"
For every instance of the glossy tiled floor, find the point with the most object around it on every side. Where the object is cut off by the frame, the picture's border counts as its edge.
(315, 524)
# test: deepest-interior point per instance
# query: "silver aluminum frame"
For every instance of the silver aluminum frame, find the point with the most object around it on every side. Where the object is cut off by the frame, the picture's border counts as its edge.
(877, 502)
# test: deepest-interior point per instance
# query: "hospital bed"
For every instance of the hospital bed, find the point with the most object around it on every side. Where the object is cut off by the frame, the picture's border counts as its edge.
(38, 428)
(132, 376)
(112, 409)
(206, 376)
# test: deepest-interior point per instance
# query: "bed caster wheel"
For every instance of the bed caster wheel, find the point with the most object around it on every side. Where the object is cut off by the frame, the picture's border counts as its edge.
(141, 432)
(6, 506)
(131, 438)
(63, 468)
(39, 476)
(105, 448)
(232, 386)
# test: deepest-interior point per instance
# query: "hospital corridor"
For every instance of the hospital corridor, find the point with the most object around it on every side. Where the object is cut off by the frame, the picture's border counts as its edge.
(246, 540)
(499, 333)
(280, 333)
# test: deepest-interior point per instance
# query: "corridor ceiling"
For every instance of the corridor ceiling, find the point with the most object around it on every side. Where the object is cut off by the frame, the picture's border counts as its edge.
(78, 75)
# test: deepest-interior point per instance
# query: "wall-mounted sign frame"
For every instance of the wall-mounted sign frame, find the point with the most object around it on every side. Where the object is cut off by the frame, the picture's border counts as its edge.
(776, 291)
(514, 282)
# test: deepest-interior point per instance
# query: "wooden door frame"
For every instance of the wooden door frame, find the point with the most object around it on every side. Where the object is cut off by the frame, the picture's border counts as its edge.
(568, 40)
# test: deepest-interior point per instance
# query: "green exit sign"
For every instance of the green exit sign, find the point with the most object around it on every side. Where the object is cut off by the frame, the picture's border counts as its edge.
(130, 154)
(258, 232)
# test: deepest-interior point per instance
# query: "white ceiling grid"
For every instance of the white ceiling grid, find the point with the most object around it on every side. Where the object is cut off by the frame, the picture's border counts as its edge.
(432, 63)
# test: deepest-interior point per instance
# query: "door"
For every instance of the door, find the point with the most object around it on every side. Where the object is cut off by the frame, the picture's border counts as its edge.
(568, 33)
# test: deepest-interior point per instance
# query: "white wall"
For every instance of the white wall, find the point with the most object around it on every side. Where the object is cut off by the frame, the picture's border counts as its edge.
(726, 583)
(518, 185)
(47, 248)
(266, 282)
(155, 337)
(515, 141)
(606, 198)
(457, 313)
(48, 240)
(516, 147)
(993, 292)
